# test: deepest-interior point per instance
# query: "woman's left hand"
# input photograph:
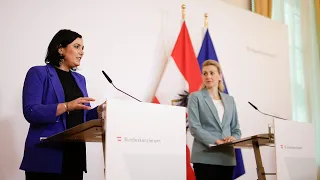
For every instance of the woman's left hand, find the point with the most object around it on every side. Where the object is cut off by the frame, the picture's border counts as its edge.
(229, 139)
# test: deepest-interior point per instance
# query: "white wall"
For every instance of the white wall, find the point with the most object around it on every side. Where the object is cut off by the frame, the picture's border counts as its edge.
(244, 4)
(131, 40)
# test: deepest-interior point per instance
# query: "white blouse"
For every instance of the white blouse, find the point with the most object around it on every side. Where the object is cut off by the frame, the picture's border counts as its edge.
(220, 108)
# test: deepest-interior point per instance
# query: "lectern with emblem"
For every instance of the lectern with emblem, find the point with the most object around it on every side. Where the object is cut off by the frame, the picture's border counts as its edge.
(140, 140)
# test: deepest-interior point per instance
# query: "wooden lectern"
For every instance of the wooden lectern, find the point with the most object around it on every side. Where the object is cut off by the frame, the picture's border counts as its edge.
(141, 138)
(254, 142)
(90, 131)
(294, 148)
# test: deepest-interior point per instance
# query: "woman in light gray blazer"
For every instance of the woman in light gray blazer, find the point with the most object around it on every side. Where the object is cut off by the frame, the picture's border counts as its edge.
(213, 120)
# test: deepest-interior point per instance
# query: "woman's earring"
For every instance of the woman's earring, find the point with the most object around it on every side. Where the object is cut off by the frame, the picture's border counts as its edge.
(61, 59)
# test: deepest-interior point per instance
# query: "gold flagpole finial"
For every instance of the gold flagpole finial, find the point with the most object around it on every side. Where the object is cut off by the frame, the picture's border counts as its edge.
(183, 7)
(206, 20)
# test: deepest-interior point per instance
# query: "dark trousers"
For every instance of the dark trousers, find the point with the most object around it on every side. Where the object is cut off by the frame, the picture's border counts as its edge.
(50, 176)
(212, 172)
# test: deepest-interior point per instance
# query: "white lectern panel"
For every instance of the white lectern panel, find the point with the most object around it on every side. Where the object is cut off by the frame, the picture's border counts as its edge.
(295, 150)
(145, 141)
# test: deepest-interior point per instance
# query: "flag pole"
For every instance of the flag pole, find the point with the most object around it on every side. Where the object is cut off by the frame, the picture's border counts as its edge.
(183, 7)
(206, 20)
(205, 24)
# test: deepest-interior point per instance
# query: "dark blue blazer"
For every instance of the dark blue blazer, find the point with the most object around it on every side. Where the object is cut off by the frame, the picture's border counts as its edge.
(42, 91)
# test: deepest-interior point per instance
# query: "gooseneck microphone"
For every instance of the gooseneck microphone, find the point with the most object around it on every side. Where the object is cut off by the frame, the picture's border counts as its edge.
(265, 113)
(110, 81)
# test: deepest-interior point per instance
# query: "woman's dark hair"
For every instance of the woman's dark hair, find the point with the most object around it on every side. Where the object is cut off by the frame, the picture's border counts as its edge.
(61, 39)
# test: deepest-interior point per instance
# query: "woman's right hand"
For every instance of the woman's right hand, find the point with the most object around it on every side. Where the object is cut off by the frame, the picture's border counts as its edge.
(219, 141)
(73, 105)
(79, 104)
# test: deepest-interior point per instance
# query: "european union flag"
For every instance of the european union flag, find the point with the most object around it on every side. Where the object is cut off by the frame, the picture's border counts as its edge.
(207, 51)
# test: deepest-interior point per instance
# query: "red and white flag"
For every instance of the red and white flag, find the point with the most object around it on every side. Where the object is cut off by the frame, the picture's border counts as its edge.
(181, 74)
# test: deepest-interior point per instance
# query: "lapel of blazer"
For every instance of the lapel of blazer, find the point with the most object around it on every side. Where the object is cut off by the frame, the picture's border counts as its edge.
(57, 86)
(226, 106)
(212, 107)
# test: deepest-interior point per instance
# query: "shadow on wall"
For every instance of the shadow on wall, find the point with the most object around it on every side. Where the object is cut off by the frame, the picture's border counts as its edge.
(8, 154)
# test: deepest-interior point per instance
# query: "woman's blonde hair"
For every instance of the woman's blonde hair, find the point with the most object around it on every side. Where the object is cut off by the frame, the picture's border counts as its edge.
(210, 62)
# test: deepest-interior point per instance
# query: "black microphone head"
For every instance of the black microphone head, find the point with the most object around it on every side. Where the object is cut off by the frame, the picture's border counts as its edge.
(253, 105)
(105, 74)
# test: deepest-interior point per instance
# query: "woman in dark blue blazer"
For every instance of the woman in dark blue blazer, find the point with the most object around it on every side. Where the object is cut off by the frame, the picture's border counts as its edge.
(55, 98)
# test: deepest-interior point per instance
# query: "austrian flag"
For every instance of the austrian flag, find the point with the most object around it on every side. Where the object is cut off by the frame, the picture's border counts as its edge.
(181, 75)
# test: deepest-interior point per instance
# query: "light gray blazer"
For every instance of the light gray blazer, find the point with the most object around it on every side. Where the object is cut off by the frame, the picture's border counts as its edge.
(206, 128)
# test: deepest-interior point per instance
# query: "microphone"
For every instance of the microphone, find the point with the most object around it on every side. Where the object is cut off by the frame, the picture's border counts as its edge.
(265, 113)
(110, 81)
